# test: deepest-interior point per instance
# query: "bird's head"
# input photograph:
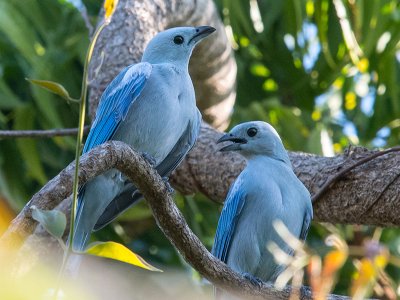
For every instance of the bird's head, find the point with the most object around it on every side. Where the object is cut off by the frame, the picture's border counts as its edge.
(254, 139)
(175, 45)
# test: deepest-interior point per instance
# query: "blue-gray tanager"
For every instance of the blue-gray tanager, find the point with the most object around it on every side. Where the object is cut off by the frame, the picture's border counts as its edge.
(152, 107)
(265, 191)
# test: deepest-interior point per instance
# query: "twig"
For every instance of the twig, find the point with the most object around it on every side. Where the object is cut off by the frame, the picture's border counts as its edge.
(40, 133)
(335, 178)
(119, 155)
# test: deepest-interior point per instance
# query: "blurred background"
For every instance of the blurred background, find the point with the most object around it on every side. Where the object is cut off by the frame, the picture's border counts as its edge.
(324, 73)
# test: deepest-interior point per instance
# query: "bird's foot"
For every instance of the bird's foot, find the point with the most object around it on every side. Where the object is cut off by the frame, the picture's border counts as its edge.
(253, 279)
(150, 159)
(169, 187)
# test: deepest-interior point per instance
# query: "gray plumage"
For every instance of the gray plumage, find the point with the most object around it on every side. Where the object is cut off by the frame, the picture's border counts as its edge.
(152, 107)
(266, 190)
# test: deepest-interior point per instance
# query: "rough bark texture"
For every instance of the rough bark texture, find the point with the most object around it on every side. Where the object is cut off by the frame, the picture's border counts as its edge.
(212, 66)
(366, 196)
(369, 194)
(169, 218)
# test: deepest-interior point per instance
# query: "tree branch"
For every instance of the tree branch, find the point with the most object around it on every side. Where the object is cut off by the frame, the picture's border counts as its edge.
(169, 218)
(336, 177)
(368, 194)
(40, 133)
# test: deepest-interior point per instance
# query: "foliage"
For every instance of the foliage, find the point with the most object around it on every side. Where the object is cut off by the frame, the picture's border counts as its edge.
(36, 43)
(324, 73)
(55, 221)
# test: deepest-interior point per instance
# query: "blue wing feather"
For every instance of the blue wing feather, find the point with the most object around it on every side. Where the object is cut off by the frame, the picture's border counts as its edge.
(114, 106)
(306, 224)
(165, 168)
(115, 103)
(227, 222)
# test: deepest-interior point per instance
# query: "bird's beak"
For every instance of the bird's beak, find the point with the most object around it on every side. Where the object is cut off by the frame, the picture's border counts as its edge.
(237, 142)
(201, 33)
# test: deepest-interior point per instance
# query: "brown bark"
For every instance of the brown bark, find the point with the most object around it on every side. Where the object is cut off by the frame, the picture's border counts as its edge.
(168, 217)
(369, 194)
(212, 66)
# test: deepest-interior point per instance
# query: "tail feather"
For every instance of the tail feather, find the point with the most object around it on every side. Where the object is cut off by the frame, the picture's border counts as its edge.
(81, 233)
(73, 264)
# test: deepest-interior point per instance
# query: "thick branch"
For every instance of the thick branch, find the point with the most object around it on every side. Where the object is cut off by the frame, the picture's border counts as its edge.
(170, 220)
(369, 194)
(212, 66)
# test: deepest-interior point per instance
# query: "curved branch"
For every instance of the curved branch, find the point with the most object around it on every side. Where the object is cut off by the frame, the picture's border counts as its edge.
(361, 196)
(169, 218)
(134, 23)
(336, 177)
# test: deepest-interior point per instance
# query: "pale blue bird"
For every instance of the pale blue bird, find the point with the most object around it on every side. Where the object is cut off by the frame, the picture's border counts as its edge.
(152, 107)
(265, 191)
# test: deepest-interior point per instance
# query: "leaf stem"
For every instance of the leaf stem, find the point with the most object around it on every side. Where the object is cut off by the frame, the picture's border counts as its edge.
(81, 125)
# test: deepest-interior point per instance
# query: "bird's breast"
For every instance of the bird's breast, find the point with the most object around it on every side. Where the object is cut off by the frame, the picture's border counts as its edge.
(160, 115)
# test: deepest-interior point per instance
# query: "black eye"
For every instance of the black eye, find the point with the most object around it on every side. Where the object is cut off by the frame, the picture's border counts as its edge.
(178, 39)
(251, 131)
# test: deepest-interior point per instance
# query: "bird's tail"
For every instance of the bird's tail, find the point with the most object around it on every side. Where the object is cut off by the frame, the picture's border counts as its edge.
(81, 232)
(79, 242)
(73, 264)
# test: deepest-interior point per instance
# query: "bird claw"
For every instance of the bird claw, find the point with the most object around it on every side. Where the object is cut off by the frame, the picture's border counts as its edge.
(169, 187)
(254, 280)
(150, 159)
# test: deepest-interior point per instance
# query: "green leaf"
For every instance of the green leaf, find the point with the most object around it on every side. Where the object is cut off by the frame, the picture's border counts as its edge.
(119, 252)
(54, 221)
(53, 87)
(28, 148)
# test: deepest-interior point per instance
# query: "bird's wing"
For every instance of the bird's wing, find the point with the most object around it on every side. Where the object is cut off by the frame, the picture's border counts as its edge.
(113, 108)
(165, 168)
(115, 103)
(306, 224)
(181, 148)
(228, 220)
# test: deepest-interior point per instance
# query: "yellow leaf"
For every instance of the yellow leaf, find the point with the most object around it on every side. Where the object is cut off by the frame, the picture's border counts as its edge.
(119, 252)
(316, 115)
(338, 83)
(380, 261)
(310, 8)
(109, 8)
(350, 101)
(270, 85)
(363, 278)
(363, 65)
(337, 147)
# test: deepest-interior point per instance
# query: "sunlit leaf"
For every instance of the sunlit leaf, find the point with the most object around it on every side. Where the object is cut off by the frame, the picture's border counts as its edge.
(109, 8)
(54, 221)
(363, 278)
(333, 261)
(119, 252)
(53, 87)
(350, 101)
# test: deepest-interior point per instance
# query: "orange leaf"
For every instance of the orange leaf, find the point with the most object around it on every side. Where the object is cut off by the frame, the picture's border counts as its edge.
(333, 261)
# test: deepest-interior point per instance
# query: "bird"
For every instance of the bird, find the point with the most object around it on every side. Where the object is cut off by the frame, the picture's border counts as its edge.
(266, 190)
(151, 106)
